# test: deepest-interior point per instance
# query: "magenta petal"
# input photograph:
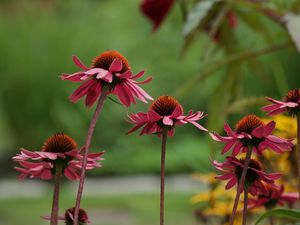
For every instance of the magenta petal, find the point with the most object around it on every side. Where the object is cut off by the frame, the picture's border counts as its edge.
(231, 183)
(269, 128)
(93, 93)
(81, 90)
(258, 131)
(140, 74)
(79, 63)
(116, 65)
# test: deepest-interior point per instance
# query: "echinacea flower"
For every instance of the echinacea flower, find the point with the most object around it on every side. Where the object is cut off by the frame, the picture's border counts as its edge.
(165, 112)
(276, 196)
(290, 103)
(82, 217)
(156, 10)
(232, 170)
(111, 70)
(252, 132)
(68, 217)
(58, 150)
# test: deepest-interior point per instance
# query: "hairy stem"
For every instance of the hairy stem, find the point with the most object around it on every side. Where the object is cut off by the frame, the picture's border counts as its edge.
(86, 150)
(240, 185)
(55, 201)
(298, 153)
(245, 205)
(162, 175)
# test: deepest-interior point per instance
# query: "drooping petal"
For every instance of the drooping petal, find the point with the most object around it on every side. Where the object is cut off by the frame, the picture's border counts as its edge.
(81, 90)
(79, 63)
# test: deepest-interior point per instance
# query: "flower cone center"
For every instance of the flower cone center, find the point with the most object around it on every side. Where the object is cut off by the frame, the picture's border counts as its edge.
(165, 105)
(292, 96)
(59, 143)
(248, 124)
(105, 59)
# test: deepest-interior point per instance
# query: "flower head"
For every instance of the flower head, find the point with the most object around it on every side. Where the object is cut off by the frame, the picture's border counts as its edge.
(165, 112)
(111, 70)
(59, 150)
(82, 217)
(252, 132)
(232, 170)
(275, 196)
(290, 104)
(156, 10)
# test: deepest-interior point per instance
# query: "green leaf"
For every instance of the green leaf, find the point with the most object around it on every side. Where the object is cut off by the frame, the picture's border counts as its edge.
(293, 214)
(196, 15)
(292, 25)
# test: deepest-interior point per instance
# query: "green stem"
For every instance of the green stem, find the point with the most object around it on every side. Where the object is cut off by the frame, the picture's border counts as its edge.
(55, 201)
(298, 153)
(240, 185)
(162, 174)
(245, 205)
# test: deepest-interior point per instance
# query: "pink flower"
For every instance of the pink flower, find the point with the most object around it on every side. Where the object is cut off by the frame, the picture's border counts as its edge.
(59, 149)
(290, 104)
(69, 217)
(276, 196)
(251, 132)
(110, 69)
(165, 112)
(232, 170)
(156, 10)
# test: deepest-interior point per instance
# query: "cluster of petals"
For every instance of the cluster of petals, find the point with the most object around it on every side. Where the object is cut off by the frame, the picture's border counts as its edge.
(262, 134)
(40, 164)
(156, 10)
(153, 122)
(228, 168)
(127, 88)
(279, 106)
(68, 217)
(276, 196)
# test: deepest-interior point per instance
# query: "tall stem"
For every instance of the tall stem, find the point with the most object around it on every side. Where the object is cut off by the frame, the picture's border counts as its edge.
(298, 153)
(55, 201)
(245, 205)
(86, 150)
(162, 175)
(240, 185)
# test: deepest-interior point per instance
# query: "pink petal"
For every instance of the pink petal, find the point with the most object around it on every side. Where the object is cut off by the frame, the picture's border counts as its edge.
(258, 131)
(82, 90)
(79, 63)
(116, 65)
(269, 128)
(93, 93)
(140, 74)
(231, 183)
(167, 121)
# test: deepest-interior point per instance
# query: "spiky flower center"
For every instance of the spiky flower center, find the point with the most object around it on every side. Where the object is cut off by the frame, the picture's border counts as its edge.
(165, 105)
(248, 124)
(292, 96)
(69, 215)
(105, 59)
(59, 143)
(251, 175)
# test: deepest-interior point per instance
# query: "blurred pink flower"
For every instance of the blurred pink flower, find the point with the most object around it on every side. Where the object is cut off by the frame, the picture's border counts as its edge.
(290, 104)
(110, 69)
(165, 112)
(69, 217)
(232, 170)
(251, 132)
(276, 196)
(58, 149)
(156, 10)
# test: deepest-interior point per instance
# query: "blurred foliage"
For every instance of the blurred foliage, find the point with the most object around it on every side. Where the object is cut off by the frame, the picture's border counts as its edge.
(230, 44)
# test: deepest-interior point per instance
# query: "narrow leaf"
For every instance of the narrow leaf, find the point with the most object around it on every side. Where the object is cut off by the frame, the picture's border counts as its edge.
(196, 15)
(293, 214)
(293, 25)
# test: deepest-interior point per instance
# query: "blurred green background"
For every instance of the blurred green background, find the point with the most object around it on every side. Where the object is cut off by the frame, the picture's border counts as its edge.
(38, 39)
